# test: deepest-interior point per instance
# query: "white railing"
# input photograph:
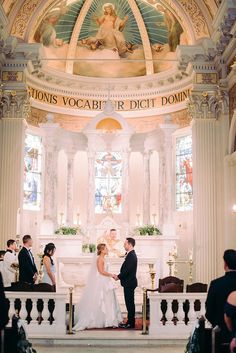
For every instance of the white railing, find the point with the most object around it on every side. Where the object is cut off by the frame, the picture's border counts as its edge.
(43, 313)
(173, 315)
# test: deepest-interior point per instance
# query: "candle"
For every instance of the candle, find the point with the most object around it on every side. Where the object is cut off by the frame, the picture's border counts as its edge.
(78, 222)
(61, 218)
(190, 255)
(234, 208)
(175, 251)
(154, 218)
(138, 219)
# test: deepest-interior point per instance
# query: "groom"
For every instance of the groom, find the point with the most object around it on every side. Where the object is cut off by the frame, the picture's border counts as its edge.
(128, 280)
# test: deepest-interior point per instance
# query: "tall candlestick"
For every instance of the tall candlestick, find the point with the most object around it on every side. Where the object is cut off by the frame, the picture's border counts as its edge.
(138, 219)
(78, 222)
(61, 218)
(154, 218)
(190, 255)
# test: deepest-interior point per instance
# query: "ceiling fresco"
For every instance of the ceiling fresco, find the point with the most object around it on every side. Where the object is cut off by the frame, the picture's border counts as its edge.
(110, 37)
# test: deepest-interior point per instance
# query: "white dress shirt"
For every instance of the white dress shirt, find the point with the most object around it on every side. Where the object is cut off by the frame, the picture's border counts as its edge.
(9, 273)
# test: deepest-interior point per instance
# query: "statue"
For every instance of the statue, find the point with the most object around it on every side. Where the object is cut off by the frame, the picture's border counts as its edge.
(114, 245)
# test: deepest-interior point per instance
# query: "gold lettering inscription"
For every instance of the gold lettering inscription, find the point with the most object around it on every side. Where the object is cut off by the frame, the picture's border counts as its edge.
(90, 104)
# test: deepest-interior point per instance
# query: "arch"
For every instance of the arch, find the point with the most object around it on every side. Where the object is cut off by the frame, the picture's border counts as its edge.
(183, 10)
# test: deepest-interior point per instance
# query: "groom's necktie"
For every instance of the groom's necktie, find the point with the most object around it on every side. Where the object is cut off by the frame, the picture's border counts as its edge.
(31, 256)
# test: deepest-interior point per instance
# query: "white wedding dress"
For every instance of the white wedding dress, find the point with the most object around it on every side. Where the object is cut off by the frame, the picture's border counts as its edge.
(98, 306)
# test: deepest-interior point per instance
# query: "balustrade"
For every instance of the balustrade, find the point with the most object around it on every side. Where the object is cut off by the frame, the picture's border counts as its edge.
(44, 314)
(173, 315)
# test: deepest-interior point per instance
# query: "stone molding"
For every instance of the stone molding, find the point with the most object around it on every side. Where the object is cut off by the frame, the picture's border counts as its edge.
(23, 17)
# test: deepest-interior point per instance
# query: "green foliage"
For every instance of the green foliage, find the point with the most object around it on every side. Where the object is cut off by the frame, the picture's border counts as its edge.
(148, 229)
(89, 248)
(67, 230)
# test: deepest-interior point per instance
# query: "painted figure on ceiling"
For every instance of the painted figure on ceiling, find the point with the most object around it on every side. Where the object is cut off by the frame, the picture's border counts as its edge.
(46, 33)
(110, 33)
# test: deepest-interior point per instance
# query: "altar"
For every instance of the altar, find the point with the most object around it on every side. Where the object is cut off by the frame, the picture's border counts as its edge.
(73, 272)
(73, 264)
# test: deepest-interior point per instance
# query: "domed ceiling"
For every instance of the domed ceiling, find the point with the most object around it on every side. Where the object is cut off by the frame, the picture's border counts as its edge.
(109, 39)
(116, 39)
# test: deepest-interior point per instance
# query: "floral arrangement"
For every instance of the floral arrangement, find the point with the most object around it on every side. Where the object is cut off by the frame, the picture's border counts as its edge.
(89, 248)
(148, 229)
(63, 230)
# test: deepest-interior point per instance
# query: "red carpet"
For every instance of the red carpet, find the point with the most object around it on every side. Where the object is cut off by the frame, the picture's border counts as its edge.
(138, 326)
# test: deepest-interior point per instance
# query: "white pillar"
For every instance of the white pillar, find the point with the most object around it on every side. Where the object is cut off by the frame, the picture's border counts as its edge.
(161, 189)
(70, 178)
(168, 188)
(205, 198)
(146, 191)
(125, 188)
(207, 155)
(12, 126)
(50, 181)
(230, 200)
(91, 193)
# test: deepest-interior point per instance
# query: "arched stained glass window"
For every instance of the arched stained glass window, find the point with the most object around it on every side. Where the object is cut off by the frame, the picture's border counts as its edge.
(108, 182)
(184, 177)
(32, 172)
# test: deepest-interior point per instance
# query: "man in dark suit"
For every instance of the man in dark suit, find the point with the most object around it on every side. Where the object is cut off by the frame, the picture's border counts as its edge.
(218, 292)
(128, 281)
(27, 269)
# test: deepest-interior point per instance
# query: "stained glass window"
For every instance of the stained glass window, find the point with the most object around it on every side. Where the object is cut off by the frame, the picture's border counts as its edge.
(108, 182)
(32, 172)
(184, 177)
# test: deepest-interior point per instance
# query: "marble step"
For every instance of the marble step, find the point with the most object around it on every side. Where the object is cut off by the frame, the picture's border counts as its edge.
(105, 338)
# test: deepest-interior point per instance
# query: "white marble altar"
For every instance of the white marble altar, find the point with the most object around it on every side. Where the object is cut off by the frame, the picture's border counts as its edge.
(72, 270)
(66, 245)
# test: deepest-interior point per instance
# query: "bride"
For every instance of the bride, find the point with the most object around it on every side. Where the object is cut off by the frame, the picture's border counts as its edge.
(98, 306)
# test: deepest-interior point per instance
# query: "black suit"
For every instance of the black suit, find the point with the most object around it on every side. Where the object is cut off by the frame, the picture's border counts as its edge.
(128, 280)
(27, 268)
(217, 296)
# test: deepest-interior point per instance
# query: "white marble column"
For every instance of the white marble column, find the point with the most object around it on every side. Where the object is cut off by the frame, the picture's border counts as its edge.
(207, 153)
(125, 187)
(161, 189)
(168, 172)
(91, 192)
(12, 137)
(70, 179)
(51, 164)
(230, 200)
(146, 190)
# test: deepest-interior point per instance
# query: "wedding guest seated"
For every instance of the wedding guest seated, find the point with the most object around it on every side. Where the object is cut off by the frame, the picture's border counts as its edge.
(10, 261)
(218, 293)
(27, 268)
(49, 269)
(230, 319)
